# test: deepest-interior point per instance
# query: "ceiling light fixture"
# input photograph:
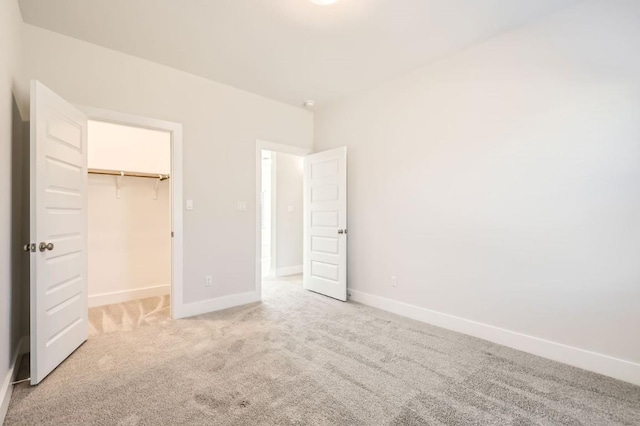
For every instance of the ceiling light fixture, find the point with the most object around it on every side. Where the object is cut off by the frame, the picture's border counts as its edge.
(323, 2)
(309, 104)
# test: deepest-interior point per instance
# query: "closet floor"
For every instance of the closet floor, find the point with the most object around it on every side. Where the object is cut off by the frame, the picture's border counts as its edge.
(128, 316)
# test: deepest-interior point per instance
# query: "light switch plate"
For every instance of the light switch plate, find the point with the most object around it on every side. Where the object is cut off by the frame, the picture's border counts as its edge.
(189, 204)
(242, 206)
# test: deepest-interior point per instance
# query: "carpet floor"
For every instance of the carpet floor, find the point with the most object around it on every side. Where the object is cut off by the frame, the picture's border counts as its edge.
(299, 358)
(128, 316)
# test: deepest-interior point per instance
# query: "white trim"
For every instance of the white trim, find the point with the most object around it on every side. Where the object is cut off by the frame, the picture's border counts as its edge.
(126, 295)
(218, 304)
(603, 364)
(289, 270)
(7, 388)
(276, 147)
(175, 129)
(274, 215)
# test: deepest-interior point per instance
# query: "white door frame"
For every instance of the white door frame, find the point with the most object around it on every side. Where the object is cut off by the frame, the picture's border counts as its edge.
(273, 222)
(276, 147)
(175, 129)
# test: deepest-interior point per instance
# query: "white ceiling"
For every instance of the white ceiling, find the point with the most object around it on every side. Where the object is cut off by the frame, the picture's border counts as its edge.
(288, 50)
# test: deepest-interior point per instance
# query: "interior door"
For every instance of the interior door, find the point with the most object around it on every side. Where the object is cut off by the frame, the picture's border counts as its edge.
(325, 223)
(58, 230)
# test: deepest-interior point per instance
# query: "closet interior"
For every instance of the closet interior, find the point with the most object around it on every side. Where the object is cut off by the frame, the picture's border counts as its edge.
(129, 214)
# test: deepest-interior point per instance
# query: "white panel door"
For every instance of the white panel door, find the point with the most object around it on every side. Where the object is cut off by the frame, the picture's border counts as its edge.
(325, 223)
(58, 230)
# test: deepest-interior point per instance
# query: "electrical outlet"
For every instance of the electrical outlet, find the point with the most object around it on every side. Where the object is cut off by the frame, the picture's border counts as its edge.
(394, 281)
(208, 281)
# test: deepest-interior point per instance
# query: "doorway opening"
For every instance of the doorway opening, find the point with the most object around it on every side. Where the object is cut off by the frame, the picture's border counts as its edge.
(281, 216)
(323, 213)
(154, 143)
(128, 226)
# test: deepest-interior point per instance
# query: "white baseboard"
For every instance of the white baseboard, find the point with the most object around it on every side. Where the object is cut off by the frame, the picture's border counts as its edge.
(127, 295)
(603, 364)
(217, 304)
(289, 270)
(7, 387)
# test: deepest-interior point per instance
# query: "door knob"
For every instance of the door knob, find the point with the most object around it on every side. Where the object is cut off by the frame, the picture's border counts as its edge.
(340, 231)
(45, 246)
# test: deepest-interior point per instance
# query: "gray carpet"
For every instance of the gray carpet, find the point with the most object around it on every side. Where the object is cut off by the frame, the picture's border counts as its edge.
(299, 358)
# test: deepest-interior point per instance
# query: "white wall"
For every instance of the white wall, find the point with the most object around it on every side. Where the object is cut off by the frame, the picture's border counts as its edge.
(502, 185)
(221, 125)
(129, 237)
(12, 280)
(289, 215)
(128, 148)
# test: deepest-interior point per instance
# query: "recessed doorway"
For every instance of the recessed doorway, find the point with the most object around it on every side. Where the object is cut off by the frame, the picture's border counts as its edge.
(145, 186)
(282, 214)
(322, 178)
(128, 226)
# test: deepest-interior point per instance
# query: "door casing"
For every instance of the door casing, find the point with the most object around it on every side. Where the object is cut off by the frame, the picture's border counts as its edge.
(176, 182)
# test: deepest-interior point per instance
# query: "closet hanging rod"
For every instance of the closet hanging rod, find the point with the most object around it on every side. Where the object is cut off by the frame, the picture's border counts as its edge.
(131, 174)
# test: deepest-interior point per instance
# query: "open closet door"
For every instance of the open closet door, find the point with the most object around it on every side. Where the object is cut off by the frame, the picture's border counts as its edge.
(325, 223)
(58, 230)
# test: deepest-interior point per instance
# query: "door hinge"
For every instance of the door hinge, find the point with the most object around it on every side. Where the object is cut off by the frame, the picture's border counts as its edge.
(171, 234)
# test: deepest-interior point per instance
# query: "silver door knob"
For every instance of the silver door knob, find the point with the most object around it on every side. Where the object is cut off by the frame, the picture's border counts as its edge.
(45, 246)
(340, 231)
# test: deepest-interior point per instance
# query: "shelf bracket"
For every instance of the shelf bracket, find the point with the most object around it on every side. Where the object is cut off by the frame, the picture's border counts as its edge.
(155, 187)
(119, 184)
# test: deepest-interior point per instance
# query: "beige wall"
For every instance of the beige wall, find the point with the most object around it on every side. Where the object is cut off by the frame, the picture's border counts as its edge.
(128, 148)
(129, 239)
(501, 185)
(221, 125)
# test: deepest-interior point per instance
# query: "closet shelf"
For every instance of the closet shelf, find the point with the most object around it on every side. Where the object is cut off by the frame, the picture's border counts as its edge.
(131, 174)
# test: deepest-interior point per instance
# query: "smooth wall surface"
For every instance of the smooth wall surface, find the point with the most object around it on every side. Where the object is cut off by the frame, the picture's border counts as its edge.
(12, 319)
(221, 125)
(502, 185)
(289, 228)
(129, 237)
(128, 148)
